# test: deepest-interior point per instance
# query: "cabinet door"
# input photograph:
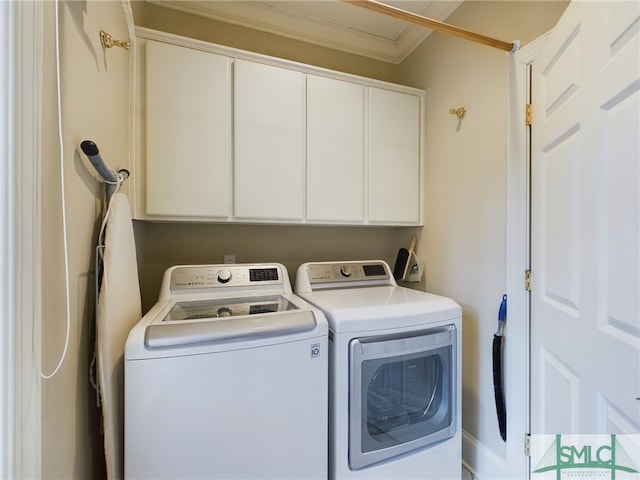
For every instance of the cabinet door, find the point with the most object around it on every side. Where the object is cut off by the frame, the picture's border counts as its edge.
(335, 151)
(188, 131)
(394, 157)
(268, 142)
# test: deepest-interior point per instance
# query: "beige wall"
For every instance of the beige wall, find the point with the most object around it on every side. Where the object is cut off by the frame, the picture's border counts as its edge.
(163, 245)
(464, 238)
(95, 98)
(180, 23)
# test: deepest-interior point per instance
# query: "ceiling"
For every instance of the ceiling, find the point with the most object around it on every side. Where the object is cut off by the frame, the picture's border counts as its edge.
(329, 23)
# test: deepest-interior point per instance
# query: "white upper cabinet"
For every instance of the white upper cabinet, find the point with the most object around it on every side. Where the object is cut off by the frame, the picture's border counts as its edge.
(188, 132)
(335, 151)
(394, 157)
(268, 142)
(223, 135)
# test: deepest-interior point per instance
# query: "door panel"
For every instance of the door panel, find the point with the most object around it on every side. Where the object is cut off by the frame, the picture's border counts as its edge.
(585, 254)
(561, 209)
(561, 392)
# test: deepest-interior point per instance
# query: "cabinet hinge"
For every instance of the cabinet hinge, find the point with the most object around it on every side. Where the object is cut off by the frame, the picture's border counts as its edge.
(529, 115)
(527, 280)
(527, 444)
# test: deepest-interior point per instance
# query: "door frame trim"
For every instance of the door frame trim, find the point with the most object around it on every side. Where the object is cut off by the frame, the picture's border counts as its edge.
(7, 248)
(22, 55)
(517, 347)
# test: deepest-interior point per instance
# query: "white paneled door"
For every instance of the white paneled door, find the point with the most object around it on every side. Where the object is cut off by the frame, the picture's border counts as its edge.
(585, 310)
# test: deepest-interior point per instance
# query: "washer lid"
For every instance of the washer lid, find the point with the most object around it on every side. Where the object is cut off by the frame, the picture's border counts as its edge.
(236, 329)
(227, 307)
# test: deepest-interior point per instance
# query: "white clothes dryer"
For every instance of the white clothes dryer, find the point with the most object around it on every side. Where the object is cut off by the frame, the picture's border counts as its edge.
(394, 373)
(226, 377)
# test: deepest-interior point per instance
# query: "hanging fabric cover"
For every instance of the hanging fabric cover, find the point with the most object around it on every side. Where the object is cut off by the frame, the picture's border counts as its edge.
(119, 309)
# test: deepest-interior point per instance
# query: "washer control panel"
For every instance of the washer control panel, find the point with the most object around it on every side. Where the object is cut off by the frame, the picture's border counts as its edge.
(216, 276)
(346, 272)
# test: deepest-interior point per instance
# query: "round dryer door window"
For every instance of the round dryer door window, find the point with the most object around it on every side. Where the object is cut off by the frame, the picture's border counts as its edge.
(402, 394)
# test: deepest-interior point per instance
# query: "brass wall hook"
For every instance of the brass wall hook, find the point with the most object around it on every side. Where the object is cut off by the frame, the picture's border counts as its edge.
(458, 112)
(108, 41)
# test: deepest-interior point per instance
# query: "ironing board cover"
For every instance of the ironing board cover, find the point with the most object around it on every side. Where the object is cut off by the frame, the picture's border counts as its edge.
(119, 309)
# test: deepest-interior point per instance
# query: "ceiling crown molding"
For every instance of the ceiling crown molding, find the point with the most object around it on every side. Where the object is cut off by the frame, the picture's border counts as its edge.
(352, 30)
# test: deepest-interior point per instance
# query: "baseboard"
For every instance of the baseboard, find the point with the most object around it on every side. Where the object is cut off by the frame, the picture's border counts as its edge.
(480, 460)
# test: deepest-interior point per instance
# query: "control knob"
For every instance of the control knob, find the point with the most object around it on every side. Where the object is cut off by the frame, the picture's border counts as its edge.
(345, 271)
(224, 276)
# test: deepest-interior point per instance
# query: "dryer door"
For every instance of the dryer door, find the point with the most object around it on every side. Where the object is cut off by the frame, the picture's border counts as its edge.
(402, 393)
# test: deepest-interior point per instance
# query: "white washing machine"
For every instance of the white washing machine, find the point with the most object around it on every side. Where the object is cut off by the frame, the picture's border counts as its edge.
(394, 373)
(226, 377)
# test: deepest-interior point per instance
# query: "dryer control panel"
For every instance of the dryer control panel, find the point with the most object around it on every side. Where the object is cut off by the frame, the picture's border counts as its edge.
(321, 274)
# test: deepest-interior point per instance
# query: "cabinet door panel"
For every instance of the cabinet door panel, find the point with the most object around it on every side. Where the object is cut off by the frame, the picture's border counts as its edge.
(394, 157)
(188, 131)
(335, 150)
(268, 142)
